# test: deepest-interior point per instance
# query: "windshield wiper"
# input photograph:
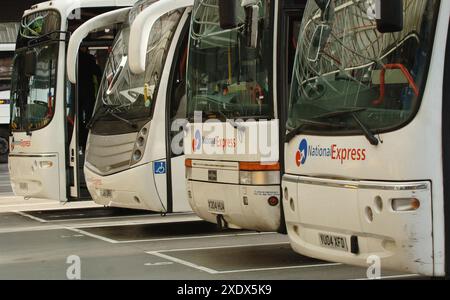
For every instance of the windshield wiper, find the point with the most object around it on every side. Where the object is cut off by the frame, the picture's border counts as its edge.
(373, 140)
(96, 117)
(132, 124)
(108, 109)
(293, 132)
(353, 113)
(339, 113)
(232, 123)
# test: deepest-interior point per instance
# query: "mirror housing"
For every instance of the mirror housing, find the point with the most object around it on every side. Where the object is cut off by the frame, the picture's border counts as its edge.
(30, 63)
(389, 14)
(251, 25)
(318, 42)
(228, 15)
(327, 8)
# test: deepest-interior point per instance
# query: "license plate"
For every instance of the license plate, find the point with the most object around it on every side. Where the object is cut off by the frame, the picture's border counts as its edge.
(106, 193)
(216, 206)
(333, 241)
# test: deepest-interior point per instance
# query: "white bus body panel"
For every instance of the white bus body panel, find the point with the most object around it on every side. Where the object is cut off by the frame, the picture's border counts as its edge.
(254, 141)
(33, 176)
(141, 28)
(35, 166)
(103, 20)
(410, 155)
(4, 108)
(5, 95)
(50, 140)
(134, 188)
(402, 240)
(142, 179)
(246, 206)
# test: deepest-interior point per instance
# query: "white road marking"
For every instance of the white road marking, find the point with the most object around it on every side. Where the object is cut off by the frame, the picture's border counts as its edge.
(182, 217)
(212, 271)
(150, 215)
(145, 221)
(228, 247)
(27, 204)
(30, 216)
(71, 236)
(193, 237)
(282, 268)
(30, 229)
(392, 277)
(163, 263)
(99, 237)
(184, 262)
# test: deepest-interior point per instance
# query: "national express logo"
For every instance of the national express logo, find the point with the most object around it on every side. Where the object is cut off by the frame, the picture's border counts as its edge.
(334, 152)
(197, 141)
(21, 143)
(302, 153)
(218, 142)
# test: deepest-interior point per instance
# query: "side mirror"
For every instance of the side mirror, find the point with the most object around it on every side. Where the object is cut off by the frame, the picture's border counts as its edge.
(30, 63)
(318, 42)
(389, 14)
(327, 8)
(228, 14)
(251, 25)
(323, 30)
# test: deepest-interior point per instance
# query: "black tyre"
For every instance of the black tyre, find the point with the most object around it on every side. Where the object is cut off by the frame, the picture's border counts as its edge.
(4, 145)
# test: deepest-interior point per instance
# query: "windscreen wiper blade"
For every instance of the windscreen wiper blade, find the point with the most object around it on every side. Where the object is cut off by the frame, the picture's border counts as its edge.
(232, 123)
(132, 124)
(353, 113)
(96, 117)
(373, 140)
(339, 113)
(293, 132)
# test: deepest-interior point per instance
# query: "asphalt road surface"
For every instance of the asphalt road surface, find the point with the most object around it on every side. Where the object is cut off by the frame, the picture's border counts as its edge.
(5, 186)
(111, 243)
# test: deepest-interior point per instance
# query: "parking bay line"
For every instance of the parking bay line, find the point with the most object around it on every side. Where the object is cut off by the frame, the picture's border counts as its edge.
(24, 204)
(78, 229)
(99, 237)
(392, 277)
(112, 241)
(91, 223)
(214, 272)
(194, 237)
(30, 216)
(163, 239)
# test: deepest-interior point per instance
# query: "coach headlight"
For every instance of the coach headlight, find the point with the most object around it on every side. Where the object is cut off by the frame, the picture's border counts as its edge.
(139, 145)
(256, 173)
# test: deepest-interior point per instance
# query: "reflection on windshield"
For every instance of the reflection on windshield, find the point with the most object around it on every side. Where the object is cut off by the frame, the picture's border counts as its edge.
(344, 65)
(34, 96)
(5, 73)
(124, 95)
(37, 25)
(226, 76)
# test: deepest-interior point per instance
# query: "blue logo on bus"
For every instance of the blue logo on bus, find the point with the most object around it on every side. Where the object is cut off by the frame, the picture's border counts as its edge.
(159, 167)
(197, 141)
(302, 153)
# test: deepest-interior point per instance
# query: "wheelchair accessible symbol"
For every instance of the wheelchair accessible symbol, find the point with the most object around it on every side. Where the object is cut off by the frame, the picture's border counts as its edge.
(159, 167)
